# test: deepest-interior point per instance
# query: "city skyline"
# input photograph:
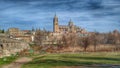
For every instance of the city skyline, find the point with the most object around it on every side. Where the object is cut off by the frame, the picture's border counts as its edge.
(93, 15)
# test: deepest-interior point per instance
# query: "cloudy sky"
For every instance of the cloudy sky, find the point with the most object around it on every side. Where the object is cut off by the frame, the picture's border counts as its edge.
(93, 15)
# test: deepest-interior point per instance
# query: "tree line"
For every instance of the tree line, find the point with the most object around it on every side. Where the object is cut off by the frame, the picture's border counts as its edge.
(74, 39)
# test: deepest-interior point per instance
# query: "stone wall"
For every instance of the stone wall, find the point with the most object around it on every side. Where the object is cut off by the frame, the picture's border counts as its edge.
(10, 46)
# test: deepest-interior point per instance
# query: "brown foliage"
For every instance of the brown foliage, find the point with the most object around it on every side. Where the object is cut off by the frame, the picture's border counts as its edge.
(40, 36)
(25, 52)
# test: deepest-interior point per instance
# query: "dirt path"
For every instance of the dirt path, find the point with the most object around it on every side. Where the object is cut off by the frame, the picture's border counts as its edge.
(18, 63)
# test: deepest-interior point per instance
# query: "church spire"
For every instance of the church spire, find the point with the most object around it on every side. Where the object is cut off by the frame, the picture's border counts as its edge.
(70, 23)
(70, 20)
(55, 16)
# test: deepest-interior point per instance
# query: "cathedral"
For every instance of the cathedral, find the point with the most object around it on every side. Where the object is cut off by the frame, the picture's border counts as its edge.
(66, 28)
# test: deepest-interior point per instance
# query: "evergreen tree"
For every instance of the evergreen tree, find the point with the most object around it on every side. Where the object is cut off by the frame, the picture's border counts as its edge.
(33, 29)
(3, 31)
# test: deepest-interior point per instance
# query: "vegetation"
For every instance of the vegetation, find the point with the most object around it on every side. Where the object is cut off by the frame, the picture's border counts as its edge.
(80, 59)
(73, 40)
(40, 35)
(2, 31)
(7, 60)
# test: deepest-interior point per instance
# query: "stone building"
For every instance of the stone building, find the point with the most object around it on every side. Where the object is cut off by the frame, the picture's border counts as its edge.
(24, 35)
(66, 28)
(14, 31)
(60, 30)
(18, 32)
(26, 38)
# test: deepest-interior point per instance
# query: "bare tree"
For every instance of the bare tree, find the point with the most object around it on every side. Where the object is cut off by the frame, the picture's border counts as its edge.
(69, 40)
(85, 42)
(73, 41)
(116, 39)
(40, 36)
(95, 40)
(64, 40)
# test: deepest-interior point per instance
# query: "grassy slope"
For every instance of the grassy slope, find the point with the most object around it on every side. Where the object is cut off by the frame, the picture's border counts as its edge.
(6, 60)
(55, 60)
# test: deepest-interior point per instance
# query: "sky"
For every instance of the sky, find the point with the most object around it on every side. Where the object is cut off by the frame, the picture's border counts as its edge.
(92, 15)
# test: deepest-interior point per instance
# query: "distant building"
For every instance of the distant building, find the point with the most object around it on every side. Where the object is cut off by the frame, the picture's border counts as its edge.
(14, 31)
(60, 30)
(66, 28)
(24, 35)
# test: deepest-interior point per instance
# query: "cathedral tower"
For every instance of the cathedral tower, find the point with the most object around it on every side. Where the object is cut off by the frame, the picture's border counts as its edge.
(55, 24)
(71, 26)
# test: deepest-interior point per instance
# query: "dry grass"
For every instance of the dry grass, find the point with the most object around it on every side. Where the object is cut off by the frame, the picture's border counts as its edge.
(99, 48)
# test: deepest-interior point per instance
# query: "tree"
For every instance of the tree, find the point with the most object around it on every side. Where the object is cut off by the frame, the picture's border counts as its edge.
(85, 42)
(33, 29)
(39, 37)
(64, 40)
(69, 40)
(3, 31)
(95, 40)
(72, 39)
(114, 39)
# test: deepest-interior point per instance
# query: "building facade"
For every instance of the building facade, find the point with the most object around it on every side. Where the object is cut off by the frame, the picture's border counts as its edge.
(66, 28)
(24, 35)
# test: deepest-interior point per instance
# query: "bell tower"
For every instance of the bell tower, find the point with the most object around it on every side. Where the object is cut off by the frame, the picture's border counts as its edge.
(55, 24)
(71, 26)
